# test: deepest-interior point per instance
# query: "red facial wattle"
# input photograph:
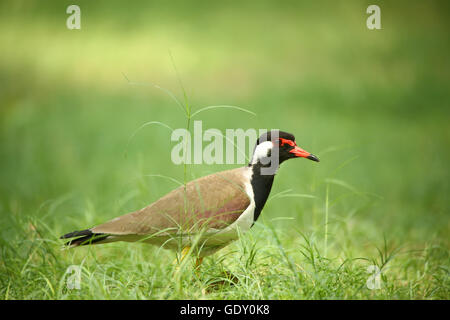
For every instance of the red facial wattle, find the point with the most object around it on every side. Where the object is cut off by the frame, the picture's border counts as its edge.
(297, 151)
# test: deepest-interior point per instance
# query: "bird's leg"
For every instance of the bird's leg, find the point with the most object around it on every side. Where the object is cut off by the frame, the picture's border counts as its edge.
(184, 253)
(198, 262)
(177, 261)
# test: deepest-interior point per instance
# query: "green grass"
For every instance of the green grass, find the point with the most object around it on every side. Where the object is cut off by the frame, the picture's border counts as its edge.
(373, 105)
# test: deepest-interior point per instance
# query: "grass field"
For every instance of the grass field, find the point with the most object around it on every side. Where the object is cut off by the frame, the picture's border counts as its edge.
(373, 105)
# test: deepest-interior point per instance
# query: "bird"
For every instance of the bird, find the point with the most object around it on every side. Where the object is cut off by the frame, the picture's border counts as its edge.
(207, 213)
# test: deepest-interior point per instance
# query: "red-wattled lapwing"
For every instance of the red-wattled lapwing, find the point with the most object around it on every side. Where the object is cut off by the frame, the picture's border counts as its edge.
(208, 212)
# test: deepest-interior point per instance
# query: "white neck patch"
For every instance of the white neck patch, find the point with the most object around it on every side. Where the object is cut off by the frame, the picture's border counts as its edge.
(261, 151)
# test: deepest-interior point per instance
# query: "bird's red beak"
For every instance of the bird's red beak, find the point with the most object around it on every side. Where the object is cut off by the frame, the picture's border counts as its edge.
(299, 152)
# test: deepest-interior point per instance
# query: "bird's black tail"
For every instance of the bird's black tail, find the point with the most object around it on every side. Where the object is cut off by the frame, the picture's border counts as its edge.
(83, 237)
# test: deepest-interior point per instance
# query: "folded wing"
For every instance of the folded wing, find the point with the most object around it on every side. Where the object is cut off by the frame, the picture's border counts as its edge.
(214, 201)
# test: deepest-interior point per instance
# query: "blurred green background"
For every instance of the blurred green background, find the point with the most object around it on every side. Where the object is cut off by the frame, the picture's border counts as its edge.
(372, 104)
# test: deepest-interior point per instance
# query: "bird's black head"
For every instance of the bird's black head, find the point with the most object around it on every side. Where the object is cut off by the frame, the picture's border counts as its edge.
(278, 143)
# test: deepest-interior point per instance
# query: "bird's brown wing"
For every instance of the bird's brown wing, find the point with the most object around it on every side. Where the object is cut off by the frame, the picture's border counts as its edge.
(214, 201)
